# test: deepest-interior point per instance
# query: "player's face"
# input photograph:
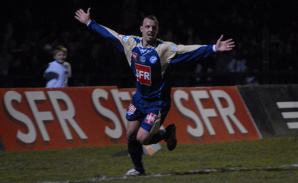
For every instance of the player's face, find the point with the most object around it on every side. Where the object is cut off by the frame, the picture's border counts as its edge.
(149, 31)
(60, 56)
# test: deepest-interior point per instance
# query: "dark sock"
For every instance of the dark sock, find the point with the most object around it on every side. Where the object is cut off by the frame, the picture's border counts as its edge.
(159, 136)
(135, 149)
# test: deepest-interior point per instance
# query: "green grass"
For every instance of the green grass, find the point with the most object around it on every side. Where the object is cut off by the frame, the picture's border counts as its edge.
(267, 160)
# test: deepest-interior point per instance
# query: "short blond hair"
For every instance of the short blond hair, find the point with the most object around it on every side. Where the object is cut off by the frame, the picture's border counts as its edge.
(58, 49)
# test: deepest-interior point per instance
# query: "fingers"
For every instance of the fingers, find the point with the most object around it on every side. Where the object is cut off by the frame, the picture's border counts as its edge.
(228, 40)
(78, 15)
(230, 43)
(80, 12)
(226, 45)
(82, 16)
(220, 38)
(229, 46)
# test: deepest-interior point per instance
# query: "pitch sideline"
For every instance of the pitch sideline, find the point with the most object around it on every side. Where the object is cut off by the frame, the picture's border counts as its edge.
(190, 172)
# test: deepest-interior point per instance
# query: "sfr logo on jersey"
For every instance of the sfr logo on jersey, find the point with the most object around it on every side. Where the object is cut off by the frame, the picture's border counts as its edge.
(150, 118)
(143, 74)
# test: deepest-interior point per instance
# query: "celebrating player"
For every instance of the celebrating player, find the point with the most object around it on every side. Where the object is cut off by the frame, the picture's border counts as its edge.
(149, 58)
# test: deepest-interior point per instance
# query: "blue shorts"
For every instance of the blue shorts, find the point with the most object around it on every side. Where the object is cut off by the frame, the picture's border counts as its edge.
(151, 114)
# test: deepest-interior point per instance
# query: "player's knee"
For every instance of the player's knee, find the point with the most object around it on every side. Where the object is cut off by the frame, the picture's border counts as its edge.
(144, 140)
(130, 134)
(132, 129)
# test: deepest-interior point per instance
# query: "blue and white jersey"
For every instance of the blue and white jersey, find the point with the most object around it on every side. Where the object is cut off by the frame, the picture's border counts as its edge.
(60, 72)
(150, 64)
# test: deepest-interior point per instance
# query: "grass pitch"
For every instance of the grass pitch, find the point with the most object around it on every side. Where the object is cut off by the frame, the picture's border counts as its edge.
(267, 160)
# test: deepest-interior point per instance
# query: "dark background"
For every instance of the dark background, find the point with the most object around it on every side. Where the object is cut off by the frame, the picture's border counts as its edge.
(265, 32)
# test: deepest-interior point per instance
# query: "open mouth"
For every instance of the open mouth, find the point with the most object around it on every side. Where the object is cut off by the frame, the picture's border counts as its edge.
(150, 36)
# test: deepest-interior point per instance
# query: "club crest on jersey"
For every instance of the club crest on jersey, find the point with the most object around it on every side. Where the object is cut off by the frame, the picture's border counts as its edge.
(142, 59)
(134, 55)
(153, 59)
(174, 47)
(143, 74)
(150, 118)
(131, 109)
(125, 38)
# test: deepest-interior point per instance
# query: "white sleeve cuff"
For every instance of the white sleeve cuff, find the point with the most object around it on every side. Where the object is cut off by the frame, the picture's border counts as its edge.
(213, 47)
(89, 23)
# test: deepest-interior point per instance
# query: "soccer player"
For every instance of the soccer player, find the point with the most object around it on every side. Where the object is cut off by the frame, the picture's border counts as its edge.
(59, 70)
(150, 58)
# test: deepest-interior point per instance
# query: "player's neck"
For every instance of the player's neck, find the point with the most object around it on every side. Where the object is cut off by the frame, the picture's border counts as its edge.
(147, 44)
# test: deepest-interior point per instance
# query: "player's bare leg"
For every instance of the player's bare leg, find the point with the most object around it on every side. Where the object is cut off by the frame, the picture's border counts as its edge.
(144, 136)
(137, 136)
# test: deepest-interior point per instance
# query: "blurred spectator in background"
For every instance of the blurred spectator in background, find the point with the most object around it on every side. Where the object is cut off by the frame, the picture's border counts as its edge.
(59, 70)
(265, 33)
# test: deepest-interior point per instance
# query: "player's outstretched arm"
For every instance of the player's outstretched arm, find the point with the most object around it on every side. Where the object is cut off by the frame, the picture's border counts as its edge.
(82, 16)
(226, 45)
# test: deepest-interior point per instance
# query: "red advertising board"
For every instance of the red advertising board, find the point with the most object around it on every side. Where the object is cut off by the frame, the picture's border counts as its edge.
(40, 118)
(209, 115)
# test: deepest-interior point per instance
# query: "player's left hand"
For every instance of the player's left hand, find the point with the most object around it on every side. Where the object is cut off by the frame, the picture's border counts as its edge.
(226, 45)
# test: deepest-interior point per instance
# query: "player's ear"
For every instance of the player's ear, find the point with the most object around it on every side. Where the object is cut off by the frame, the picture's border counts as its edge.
(141, 28)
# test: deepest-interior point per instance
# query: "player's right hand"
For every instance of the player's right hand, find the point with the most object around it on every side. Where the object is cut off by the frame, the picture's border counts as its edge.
(82, 16)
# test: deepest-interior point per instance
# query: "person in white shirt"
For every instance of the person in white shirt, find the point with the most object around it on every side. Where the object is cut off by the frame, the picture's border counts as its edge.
(59, 70)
